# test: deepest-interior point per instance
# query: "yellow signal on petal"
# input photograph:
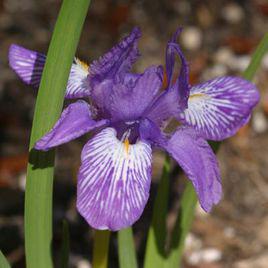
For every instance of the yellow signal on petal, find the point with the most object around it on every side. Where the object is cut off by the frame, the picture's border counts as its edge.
(126, 145)
(84, 65)
(197, 95)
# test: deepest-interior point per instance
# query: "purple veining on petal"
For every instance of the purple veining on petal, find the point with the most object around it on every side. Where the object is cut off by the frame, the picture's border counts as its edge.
(129, 101)
(174, 99)
(117, 61)
(182, 83)
(78, 84)
(27, 64)
(113, 182)
(170, 57)
(199, 163)
(74, 122)
(219, 107)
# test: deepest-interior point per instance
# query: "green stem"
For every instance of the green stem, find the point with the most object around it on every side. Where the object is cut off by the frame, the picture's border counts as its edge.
(3, 261)
(101, 249)
(39, 184)
(126, 249)
(182, 226)
(256, 58)
(155, 247)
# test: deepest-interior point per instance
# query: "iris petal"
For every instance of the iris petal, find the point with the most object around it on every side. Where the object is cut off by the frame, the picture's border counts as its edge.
(74, 122)
(116, 61)
(174, 99)
(129, 101)
(29, 66)
(199, 163)
(219, 107)
(78, 85)
(114, 181)
(182, 83)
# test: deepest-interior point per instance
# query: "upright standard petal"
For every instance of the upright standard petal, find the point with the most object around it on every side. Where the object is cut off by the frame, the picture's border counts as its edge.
(118, 60)
(219, 107)
(174, 99)
(29, 66)
(164, 107)
(199, 163)
(74, 122)
(114, 181)
(128, 102)
(182, 82)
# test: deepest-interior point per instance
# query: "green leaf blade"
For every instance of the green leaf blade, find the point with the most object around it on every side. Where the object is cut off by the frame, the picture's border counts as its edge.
(101, 248)
(256, 58)
(40, 171)
(3, 261)
(182, 226)
(155, 247)
(126, 248)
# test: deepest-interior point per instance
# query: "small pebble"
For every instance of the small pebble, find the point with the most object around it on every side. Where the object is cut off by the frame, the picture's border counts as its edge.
(259, 122)
(216, 70)
(233, 13)
(191, 38)
(83, 264)
(224, 55)
(207, 255)
(240, 63)
(265, 61)
(229, 232)
(192, 242)
(22, 181)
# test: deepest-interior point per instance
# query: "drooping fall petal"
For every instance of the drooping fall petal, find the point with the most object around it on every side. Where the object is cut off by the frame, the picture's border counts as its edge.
(199, 163)
(114, 181)
(75, 121)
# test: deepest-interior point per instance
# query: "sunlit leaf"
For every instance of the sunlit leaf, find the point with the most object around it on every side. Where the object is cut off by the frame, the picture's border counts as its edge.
(126, 249)
(3, 261)
(39, 183)
(155, 247)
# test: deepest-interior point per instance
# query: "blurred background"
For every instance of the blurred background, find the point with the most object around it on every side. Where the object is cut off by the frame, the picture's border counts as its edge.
(218, 39)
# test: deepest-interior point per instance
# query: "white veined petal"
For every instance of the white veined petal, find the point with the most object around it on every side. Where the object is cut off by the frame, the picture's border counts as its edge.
(114, 181)
(78, 84)
(29, 66)
(219, 107)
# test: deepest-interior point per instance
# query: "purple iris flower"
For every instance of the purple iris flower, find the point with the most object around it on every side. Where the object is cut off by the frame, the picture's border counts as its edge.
(128, 113)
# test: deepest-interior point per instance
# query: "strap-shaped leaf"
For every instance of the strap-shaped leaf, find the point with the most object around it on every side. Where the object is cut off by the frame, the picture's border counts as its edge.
(3, 261)
(155, 248)
(101, 249)
(256, 58)
(126, 249)
(39, 183)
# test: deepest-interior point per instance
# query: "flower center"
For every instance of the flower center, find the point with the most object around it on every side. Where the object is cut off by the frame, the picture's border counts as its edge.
(127, 132)
(125, 140)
